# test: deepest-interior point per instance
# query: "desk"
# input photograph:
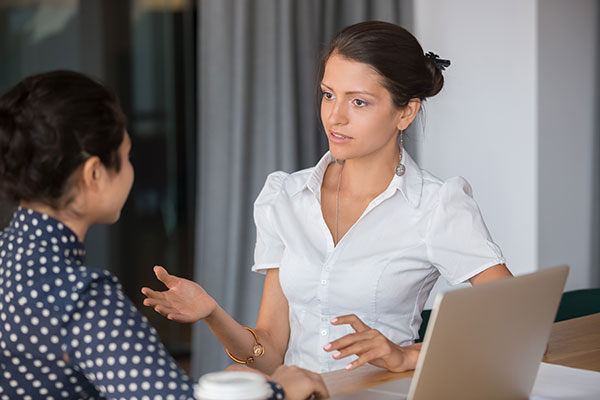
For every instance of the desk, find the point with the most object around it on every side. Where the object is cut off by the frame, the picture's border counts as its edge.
(573, 343)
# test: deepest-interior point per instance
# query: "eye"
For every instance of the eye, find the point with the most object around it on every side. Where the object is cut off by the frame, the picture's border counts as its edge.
(359, 102)
(327, 95)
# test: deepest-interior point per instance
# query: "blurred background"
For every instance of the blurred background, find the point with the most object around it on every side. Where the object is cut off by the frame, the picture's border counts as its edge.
(219, 93)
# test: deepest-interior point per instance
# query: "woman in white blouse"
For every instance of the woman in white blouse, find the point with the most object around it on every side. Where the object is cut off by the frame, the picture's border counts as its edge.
(352, 247)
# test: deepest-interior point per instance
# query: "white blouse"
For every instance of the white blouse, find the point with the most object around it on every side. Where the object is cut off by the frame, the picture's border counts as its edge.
(383, 268)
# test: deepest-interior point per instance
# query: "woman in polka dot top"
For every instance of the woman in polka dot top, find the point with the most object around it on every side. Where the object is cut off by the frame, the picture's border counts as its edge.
(67, 331)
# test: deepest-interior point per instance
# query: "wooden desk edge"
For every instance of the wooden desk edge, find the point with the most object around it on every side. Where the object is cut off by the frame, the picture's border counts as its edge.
(342, 382)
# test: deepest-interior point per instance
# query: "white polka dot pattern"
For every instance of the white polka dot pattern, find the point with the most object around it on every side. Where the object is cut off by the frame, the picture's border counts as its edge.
(68, 331)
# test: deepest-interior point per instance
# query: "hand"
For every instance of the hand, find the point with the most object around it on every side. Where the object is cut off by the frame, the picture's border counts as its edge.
(372, 347)
(185, 301)
(299, 383)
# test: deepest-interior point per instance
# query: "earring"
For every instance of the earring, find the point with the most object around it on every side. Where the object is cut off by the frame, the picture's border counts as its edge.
(400, 169)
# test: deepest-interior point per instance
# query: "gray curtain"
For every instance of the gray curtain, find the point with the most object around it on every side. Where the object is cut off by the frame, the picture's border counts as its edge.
(257, 114)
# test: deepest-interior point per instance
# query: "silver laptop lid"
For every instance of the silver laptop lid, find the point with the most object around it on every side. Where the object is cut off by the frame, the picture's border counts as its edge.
(487, 341)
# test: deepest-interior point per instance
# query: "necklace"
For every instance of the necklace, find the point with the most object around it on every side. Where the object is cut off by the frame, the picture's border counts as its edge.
(399, 170)
(337, 202)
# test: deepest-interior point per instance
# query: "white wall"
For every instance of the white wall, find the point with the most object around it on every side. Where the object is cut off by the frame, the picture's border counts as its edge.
(497, 121)
(567, 103)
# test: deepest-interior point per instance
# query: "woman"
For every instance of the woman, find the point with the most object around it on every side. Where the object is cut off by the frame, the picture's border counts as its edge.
(353, 246)
(66, 330)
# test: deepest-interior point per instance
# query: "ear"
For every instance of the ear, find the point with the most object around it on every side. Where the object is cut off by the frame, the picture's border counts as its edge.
(91, 173)
(409, 113)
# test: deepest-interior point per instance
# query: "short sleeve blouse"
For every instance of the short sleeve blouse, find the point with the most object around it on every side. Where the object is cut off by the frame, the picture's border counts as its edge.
(382, 270)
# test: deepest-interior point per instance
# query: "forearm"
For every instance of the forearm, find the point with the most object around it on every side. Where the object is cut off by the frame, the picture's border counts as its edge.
(239, 341)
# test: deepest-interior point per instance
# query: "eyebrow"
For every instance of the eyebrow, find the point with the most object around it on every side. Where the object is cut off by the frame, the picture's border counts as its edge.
(352, 91)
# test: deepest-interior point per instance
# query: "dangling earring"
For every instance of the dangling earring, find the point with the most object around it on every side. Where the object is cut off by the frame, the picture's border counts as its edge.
(400, 169)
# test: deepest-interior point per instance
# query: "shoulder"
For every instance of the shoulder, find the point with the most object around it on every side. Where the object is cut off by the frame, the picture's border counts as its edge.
(86, 282)
(280, 183)
(436, 190)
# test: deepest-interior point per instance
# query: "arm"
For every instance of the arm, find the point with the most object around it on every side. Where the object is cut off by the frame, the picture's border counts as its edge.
(186, 301)
(498, 271)
(272, 327)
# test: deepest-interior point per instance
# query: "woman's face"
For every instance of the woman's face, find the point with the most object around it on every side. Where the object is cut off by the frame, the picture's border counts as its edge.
(119, 184)
(357, 111)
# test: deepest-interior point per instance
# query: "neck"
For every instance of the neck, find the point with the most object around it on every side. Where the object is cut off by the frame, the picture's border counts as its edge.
(68, 217)
(370, 174)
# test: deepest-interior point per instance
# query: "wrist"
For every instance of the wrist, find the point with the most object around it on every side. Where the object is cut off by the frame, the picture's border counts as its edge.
(407, 358)
(411, 356)
(213, 314)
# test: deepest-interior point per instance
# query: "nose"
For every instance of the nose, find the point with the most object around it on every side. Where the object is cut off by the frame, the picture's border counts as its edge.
(335, 114)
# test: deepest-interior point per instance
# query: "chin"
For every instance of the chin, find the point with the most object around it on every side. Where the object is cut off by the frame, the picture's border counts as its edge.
(110, 219)
(339, 154)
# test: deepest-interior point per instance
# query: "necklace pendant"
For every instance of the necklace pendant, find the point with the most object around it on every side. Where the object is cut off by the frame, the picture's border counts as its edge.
(400, 169)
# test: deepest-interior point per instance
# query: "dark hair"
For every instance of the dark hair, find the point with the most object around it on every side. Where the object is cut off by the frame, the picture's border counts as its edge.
(50, 124)
(393, 52)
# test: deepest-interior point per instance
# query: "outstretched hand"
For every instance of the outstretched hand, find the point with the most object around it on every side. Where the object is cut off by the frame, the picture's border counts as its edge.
(371, 347)
(184, 301)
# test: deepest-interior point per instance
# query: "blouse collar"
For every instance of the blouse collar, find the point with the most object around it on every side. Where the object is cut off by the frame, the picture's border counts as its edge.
(410, 184)
(48, 231)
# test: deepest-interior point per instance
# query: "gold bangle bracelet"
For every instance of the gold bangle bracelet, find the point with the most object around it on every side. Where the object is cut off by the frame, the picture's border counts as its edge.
(257, 350)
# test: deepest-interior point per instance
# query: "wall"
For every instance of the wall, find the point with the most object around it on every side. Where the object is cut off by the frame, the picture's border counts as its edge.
(568, 68)
(516, 119)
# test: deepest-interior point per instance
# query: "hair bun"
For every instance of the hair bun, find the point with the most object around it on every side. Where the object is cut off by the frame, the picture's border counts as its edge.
(440, 63)
(435, 65)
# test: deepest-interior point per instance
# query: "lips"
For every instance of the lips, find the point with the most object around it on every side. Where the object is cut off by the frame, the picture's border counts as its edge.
(338, 137)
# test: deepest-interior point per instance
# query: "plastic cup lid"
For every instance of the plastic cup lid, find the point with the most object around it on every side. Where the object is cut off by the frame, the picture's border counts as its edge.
(233, 385)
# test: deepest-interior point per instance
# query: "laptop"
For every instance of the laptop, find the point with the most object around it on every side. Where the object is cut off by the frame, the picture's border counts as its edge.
(482, 342)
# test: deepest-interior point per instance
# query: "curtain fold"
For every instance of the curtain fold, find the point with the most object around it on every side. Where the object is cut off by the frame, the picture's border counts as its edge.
(257, 114)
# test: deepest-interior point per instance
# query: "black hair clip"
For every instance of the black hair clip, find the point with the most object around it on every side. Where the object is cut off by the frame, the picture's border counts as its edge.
(440, 63)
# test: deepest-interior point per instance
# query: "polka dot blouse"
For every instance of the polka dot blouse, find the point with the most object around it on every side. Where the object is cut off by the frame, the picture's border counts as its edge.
(67, 331)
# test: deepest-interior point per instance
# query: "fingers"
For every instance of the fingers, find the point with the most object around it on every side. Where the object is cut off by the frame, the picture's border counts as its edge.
(319, 388)
(299, 383)
(363, 359)
(164, 276)
(352, 320)
(368, 346)
(350, 339)
(152, 294)
(165, 309)
(371, 346)
(357, 348)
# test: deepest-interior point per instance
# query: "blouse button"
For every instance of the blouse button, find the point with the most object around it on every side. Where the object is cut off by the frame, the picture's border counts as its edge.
(324, 282)
(323, 332)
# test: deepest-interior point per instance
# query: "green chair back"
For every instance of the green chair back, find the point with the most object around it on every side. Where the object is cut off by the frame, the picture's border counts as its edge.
(425, 316)
(578, 303)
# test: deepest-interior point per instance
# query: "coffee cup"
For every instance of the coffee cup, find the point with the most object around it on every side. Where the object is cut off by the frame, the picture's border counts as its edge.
(232, 385)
